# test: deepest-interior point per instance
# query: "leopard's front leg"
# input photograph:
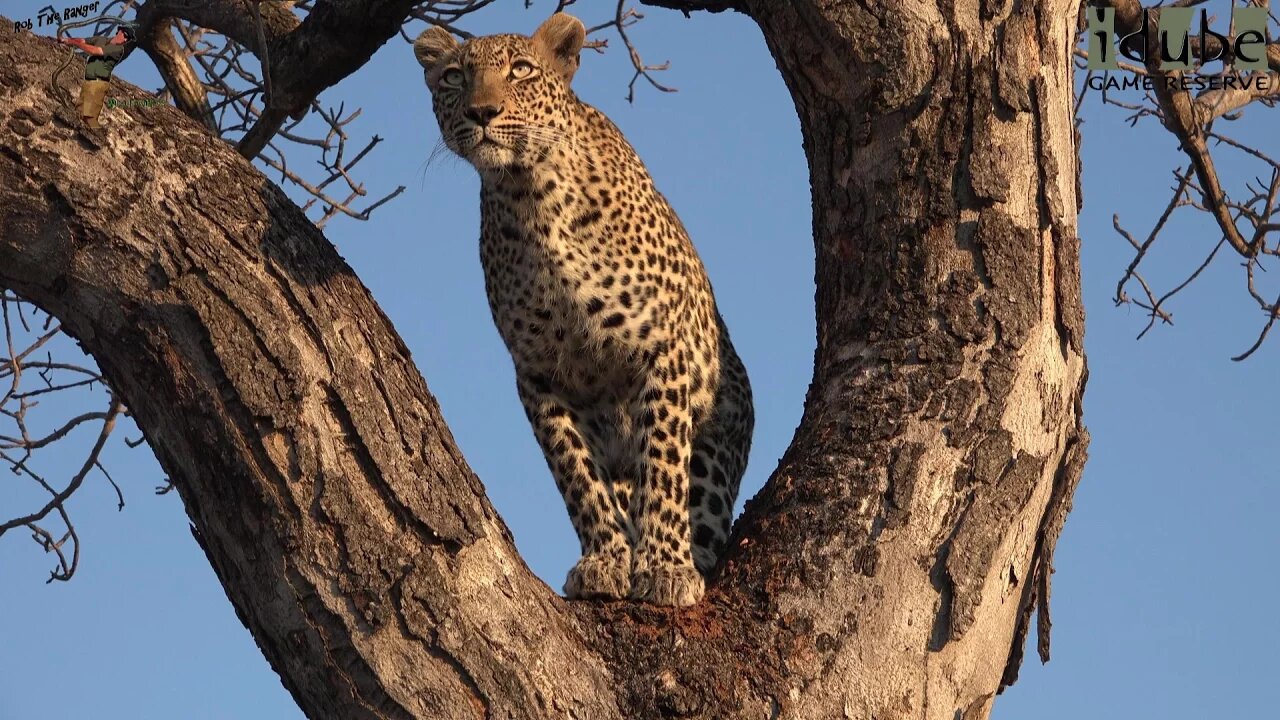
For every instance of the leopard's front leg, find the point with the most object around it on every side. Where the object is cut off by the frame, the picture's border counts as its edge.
(664, 570)
(604, 570)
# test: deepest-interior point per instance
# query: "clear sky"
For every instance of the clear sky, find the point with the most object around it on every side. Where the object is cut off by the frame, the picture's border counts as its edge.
(1162, 600)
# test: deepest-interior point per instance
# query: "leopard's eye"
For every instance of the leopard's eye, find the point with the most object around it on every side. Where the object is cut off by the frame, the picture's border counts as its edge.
(522, 69)
(452, 78)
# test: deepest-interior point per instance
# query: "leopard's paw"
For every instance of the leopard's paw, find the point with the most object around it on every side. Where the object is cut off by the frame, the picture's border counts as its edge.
(671, 586)
(600, 577)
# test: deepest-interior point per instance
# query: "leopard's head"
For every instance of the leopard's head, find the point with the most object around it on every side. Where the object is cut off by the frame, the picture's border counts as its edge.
(503, 100)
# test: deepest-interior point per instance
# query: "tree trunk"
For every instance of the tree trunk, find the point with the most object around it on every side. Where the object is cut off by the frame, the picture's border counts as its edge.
(941, 440)
(887, 570)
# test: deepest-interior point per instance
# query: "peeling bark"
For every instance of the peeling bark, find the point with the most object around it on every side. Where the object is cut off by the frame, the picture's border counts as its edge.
(888, 569)
(941, 439)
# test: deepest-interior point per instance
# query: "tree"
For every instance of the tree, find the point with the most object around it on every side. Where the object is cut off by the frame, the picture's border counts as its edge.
(890, 566)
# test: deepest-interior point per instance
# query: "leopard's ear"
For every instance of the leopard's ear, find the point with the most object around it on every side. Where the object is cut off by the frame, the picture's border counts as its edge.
(561, 38)
(433, 44)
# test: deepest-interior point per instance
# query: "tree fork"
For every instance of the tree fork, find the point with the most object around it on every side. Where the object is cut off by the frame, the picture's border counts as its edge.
(888, 568)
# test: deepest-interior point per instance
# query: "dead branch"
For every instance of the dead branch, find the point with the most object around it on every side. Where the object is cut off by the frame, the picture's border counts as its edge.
(28, 378)
(1246, 227)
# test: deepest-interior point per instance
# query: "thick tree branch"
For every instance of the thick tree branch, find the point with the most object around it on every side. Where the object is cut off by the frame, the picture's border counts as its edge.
(689, 6)
(336, 39)
(350, 534)
(895, 363)
(1179, 115)
(233, 18)
(184, 85)
(306, 57)
(1211, 105)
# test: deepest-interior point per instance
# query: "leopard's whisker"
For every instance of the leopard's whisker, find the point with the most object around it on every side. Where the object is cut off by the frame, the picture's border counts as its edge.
(559, 138)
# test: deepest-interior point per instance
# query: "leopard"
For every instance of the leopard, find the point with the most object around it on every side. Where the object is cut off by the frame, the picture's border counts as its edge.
(623, 363)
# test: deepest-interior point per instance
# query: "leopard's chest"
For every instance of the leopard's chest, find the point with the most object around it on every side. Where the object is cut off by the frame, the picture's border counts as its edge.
(533, 271)
(588, 275)
(543, 280)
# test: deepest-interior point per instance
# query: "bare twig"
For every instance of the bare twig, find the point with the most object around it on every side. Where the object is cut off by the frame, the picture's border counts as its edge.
(29, 374)
(1247, 226)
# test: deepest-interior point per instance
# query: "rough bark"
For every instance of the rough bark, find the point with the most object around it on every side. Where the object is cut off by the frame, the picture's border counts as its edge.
(321, 481)
(887, 570)
(941, 440)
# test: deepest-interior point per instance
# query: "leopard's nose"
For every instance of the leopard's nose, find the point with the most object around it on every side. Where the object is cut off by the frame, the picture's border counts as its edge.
(482, 114)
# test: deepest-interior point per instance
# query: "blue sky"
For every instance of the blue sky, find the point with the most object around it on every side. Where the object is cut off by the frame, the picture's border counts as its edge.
(1162, 593)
